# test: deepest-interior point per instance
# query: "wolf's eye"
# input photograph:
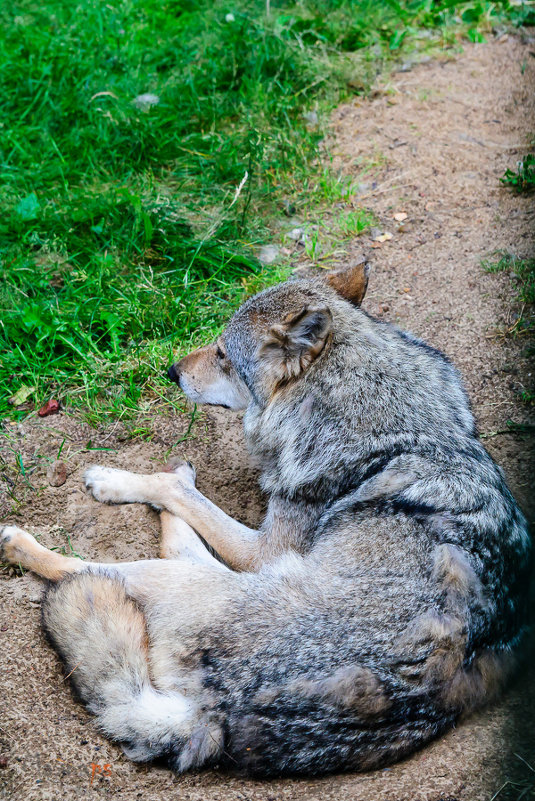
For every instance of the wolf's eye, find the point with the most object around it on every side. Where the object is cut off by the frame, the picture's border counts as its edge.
(219, 353)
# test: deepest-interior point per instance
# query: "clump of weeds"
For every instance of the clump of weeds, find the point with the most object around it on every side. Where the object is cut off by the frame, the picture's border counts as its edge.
(521, 179)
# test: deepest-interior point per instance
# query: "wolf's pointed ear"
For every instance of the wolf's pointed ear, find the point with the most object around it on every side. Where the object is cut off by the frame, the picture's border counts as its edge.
(291, 346)
(350, 282)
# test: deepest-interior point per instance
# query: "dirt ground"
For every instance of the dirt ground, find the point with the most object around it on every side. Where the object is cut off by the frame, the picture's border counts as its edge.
(442, 134)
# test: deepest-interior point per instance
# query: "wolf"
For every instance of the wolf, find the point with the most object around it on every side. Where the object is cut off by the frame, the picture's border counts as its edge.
(383, 596)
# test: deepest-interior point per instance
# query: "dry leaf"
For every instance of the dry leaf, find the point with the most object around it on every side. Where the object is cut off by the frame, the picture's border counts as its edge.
(21, 395)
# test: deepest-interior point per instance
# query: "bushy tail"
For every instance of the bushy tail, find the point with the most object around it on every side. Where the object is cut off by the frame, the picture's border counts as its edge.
(101, 635)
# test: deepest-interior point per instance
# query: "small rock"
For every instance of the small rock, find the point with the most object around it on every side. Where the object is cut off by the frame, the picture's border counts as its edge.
(4, 627)
(386, 307)
(3, 762)
(52, 406)
(385, 237)
(145, 101)
(297, 234)
(268, 254)
(57, 474)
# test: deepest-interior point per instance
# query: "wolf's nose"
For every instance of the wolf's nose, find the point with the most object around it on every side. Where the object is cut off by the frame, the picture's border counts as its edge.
(172, 373)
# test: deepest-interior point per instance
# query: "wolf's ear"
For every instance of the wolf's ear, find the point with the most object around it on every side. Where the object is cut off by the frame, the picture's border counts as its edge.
(291, 346)
(350, 282)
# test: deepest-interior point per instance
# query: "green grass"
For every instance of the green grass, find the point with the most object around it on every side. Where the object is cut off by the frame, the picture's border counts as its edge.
(122, 236)
(523, 271)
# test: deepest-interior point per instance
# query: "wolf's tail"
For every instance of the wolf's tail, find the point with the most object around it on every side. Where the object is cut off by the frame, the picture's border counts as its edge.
(101, 635)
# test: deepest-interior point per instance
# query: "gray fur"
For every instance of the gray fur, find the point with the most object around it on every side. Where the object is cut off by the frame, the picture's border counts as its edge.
(389, 582)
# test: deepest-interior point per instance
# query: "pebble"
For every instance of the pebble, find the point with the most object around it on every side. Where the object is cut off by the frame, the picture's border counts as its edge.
(297, 234)
(57, 474)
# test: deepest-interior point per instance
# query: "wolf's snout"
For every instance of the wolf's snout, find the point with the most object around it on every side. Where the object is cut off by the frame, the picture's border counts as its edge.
(174, 374)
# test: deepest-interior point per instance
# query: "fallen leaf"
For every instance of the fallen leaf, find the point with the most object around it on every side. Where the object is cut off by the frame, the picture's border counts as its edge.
(383, 237)
(21, 395)
(400, 216)
(406, 289)
(375, 245)
(50, 407)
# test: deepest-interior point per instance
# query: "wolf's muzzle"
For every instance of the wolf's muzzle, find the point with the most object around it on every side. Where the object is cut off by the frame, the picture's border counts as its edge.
(174, 374)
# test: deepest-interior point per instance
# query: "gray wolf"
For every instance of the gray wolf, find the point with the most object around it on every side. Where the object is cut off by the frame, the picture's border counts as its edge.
(383, 596)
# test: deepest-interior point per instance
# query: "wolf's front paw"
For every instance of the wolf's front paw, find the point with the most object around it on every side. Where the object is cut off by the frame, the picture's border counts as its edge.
(14, 544)
(109, 485)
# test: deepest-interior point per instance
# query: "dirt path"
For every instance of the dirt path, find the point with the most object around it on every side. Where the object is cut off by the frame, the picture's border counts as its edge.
(443, 135)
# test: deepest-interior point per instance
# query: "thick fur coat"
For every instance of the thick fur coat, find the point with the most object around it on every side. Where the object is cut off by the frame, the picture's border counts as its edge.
(384, 595)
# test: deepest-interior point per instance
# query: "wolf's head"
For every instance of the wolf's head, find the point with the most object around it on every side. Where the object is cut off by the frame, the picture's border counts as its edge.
(271, 341)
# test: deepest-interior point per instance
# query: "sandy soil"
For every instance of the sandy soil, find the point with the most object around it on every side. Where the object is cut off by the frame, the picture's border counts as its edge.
(442, 134)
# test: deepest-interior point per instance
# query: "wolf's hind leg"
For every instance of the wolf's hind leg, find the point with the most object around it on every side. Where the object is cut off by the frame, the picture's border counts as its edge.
(101, 635)
(18, 547)
(179, 541)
